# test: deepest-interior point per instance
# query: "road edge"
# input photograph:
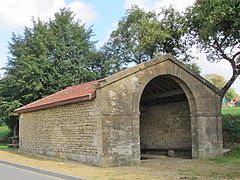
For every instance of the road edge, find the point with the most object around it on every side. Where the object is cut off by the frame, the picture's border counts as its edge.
(41, 171)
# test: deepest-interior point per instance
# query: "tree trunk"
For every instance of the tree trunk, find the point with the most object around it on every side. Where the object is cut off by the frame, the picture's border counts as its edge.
(231, 81)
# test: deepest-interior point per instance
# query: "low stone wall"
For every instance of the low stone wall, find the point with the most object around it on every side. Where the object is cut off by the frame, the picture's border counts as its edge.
(166, 126)
(67, 131)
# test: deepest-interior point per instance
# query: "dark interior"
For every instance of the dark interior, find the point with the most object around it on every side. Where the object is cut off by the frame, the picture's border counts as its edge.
(163, 91)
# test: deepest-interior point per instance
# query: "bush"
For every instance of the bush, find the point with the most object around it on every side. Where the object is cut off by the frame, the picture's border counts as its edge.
(231, 125)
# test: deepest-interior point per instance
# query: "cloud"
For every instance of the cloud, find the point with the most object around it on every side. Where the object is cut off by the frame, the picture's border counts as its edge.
(156, 5)
(222, 68)
(84, 12)
(18, 13)
(144, 4)
(207, 67)
(180, 5)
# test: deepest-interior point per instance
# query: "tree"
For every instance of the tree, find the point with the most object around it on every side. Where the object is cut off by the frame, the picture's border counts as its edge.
(219, 82)
(101, 64)
(194, 67)
(214, 26)
(141, 35)
(47, 58)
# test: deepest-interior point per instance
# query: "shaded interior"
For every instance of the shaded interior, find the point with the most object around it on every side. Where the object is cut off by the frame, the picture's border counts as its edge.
(165, 124)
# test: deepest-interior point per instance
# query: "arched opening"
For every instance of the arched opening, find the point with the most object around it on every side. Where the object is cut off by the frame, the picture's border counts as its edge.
(165, 121)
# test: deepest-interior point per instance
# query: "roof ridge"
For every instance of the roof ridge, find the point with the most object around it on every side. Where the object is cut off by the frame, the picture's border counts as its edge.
(82, 84)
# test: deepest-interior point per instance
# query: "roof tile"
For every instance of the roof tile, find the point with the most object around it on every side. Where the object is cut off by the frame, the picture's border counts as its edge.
(76, 93)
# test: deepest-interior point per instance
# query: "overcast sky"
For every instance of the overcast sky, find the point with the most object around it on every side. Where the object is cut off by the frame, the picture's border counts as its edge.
(102, 14)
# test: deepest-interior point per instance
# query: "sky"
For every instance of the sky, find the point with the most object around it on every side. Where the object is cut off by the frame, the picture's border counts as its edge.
(101, 15)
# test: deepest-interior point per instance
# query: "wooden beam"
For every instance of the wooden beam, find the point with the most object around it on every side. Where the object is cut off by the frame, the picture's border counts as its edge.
(163, 94)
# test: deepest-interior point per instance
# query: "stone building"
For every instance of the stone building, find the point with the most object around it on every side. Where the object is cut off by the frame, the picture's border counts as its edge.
(156, 105)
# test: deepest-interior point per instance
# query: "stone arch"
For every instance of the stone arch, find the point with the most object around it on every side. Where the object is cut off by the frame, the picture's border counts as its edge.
(181, 82)
(119, 98)
(181, 97)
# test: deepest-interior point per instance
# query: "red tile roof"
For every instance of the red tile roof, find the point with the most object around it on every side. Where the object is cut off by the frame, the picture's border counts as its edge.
(72, 94)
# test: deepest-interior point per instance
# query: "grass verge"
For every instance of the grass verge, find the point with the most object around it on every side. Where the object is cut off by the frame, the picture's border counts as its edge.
(3, 146)
(232, 158)
(231, 124)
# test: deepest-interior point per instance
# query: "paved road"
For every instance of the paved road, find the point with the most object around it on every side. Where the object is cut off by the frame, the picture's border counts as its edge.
(11, 173)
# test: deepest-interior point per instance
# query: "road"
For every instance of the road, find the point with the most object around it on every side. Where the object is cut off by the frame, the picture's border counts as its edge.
(11, 173)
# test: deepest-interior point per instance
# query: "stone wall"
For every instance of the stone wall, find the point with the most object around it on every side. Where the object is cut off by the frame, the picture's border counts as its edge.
(166, 126)
(106, 131)
(120, 99)
(67, 131)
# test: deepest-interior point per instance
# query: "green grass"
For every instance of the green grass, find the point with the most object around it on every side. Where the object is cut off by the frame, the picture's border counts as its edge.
(3, 146)
(190, 172)
(232, 158)
(4, 130)
(231, 123)
(234, 111)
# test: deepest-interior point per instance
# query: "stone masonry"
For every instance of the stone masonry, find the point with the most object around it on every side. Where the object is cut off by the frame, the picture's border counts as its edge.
(67, 131)
(101, 125)
(166, 126)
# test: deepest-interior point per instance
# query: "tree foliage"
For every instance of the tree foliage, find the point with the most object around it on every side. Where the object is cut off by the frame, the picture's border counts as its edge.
(214, 26)
(52, 55)
(46, 58)
(141, 35)
(194, 67)
(219, 82)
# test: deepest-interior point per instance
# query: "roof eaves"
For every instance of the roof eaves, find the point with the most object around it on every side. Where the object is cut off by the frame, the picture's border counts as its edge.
(58, 103)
